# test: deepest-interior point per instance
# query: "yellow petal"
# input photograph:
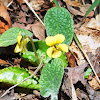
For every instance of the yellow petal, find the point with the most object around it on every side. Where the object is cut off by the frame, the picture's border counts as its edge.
(19, 33)
(19, 37)
(18, 48)
(50, 41)
(25, 41)
(22, 46)
(63, 47)
(56, 54)
(59, 38)
(52, 52)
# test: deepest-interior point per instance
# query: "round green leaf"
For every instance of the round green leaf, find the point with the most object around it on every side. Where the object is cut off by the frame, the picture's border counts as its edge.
(51, 77)
(9, 37)
(58, 21)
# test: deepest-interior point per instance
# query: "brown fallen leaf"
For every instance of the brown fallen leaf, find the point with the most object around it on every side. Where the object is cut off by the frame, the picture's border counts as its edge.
(18, 25)
(89, 38)
(77, 53)
(39, 31)
(77, 73)
(2, 62)
(93, 24)
(94, 83)
(36, 4)
(5, 22)
(66, 86)
(82, 95)
(22, 17)
(72, 3)
(71, 59)
(22, 1)
(6, 2)
(81, 12)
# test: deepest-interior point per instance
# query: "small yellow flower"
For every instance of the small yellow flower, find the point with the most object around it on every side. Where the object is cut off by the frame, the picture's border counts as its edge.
(55, 47)
(19, 37)
(21, 43)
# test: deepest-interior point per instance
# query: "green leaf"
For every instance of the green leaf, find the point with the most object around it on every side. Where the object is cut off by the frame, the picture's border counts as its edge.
(59, 21)
(56, 2)
(95, 3)
(41, 49)
(14, 75)
(54, 97)
(88, 72)
(51, 77)
(29, 56)
(64, 58)
(9, 37)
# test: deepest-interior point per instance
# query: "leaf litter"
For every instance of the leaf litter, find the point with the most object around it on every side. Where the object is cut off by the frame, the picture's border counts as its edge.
(88, 34)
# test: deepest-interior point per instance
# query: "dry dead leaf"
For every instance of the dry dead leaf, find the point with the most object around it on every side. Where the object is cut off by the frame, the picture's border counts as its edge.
(66, 87)
(82, 95)
(74, 96)
(39, 31)
(89, 38)
(22, 17)
(82, 11)
(72, 3)
(18, 25)
(71, 59)
(93, 24)
(22, 1)
(94, 83)
(36, 4)
(2, 62)
(6, 2)
(95, 60)
(76, 53)
(77, 73)
(5, 22)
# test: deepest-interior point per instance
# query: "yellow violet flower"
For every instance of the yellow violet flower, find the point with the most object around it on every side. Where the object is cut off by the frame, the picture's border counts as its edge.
(21, 44)
(55, 47)
(19, 37)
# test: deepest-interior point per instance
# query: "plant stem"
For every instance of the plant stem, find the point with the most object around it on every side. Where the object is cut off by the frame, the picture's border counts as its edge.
(34, 49)
(56, 2)
(77, 41)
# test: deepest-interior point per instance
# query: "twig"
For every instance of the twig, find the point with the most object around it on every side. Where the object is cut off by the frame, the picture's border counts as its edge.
(10, 3)
(7, 91)
(83, 2)
(33, 11)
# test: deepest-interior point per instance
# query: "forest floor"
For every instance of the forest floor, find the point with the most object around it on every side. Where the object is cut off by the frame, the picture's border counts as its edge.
(88, 33)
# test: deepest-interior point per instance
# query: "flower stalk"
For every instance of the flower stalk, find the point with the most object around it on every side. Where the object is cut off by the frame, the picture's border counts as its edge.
(34, 49)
